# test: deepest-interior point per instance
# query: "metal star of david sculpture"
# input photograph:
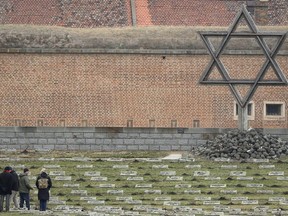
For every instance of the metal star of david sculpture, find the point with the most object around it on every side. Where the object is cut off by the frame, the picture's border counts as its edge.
(270, 55)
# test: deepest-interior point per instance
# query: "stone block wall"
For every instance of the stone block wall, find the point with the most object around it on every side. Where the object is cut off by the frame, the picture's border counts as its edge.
(110, 139)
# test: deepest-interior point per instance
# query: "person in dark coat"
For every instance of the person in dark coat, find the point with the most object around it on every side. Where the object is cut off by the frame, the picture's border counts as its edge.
(43, 193)
(15, 189)
(6, 180)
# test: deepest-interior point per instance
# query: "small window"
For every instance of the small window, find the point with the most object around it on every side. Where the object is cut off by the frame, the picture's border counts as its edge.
(84, 123)
(196, 123)
(274, 110)
(174, 123)
(62, 123)
(40, 123)
(152, 123)
(250, 111)
(129, 123)
(18, 122)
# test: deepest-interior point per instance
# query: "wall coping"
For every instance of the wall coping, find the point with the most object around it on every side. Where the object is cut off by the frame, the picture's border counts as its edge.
(130, 51)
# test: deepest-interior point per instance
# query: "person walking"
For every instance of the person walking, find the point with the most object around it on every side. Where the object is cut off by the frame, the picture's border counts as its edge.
(6, 180)
(15, 189)
(24, 188)
(43, 183)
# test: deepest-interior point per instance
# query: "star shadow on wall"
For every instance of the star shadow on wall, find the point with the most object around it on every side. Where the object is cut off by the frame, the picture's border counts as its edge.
(270, 53)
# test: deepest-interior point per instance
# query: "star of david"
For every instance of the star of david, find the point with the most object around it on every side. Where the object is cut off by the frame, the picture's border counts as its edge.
(269, 54)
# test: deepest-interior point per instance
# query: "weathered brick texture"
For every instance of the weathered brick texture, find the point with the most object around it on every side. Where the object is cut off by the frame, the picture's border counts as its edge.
(107, 90)
(117, 13)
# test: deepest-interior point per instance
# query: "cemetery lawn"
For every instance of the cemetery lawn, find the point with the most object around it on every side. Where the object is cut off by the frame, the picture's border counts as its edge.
(137, 181)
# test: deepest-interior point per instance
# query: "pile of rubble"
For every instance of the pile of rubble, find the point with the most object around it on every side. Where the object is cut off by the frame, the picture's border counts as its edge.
(243, 145)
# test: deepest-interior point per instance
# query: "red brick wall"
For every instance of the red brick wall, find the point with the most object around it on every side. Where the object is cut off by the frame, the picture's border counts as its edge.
(117, 13)
(109, 89)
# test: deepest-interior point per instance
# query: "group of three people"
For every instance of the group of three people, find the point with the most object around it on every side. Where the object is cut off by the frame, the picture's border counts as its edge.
(11, 184)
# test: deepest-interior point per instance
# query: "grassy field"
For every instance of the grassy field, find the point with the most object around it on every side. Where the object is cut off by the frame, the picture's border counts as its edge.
(128, 180)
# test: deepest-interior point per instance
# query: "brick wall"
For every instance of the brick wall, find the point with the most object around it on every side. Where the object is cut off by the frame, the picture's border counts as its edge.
(113, 90)
(117, 13)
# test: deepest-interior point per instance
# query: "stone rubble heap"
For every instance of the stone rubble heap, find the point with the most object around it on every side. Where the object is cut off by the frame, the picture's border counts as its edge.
(243, 145)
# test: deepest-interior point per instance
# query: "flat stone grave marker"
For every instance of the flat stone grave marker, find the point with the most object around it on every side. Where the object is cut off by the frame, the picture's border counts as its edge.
(82, 159)
(245, 178)
(268, 166)
(221, 208)
(106, 185)
(261, 209)
(276, 199)
(117, 166)
(192, 191)
(168, 173)
(141, 208)
(71, 185)
(183, 186)
(276, 173)
(249, 202)
(115, 192)
(217, 185)
(174, 178)
(107, 209)
(202, 198)
(99, 178)
(162, 199)
(32, 178)
(182, 208)
(282, 178)
(160, 166)
(96, 202)
(61, 207)
(171, 203)
(222, 159)
(124, 198)
(237, 173)
(63, 178)
(4, 159)
(57, 173)
(284, 202)
(135, 178)
(265, 192)
(130, 213)
(46, 159)
(115, 159)
(211, 202)
(88, 198)
(92, 173)
(51, 166)
(239, 198)
(79, 192)
(155, 210)
(153, 160)
(84, 166)
(211, 178)
(228, 191)
(128, 173)
(133, 202)
(201, 173)
(152, 192)
(56, 200)
(255, 185)
(143, 186)
(229, 166)
(258, 160)
(193, 166)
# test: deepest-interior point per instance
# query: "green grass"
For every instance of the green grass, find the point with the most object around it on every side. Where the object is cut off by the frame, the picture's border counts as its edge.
(152, 176)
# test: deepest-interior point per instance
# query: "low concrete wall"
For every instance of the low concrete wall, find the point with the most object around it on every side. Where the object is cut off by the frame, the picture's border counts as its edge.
(111, 139)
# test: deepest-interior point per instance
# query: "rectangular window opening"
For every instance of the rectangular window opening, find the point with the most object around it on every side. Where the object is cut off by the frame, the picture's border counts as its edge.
(130, 123)
(174, 123)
